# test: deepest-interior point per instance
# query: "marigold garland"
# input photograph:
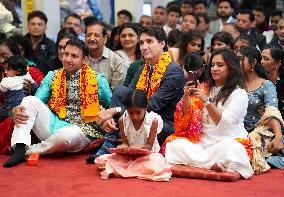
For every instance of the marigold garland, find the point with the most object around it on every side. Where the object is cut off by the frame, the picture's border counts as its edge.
(88, 94)
(150, 86)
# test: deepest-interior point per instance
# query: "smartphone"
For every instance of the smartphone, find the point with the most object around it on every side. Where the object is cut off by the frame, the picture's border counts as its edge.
(192, 76)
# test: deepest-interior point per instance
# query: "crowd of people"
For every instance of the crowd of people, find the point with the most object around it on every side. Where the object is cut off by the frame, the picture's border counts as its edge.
(192, 88)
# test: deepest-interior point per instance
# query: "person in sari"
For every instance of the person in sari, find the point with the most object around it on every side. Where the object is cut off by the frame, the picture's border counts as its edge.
(263, 120)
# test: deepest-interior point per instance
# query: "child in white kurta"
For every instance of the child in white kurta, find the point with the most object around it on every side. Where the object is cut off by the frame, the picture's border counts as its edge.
(151, 166)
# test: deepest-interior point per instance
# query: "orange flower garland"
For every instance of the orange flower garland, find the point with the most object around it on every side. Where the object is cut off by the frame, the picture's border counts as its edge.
(159, 69)
(88, 94)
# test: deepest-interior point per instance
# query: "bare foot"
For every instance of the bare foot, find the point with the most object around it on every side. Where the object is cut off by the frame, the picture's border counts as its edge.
(217, 167)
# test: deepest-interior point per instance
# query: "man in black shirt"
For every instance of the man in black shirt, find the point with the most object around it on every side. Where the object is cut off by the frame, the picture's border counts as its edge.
(44, 48)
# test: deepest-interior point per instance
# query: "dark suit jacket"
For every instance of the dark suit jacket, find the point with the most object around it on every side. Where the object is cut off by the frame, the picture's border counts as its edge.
(164, 101)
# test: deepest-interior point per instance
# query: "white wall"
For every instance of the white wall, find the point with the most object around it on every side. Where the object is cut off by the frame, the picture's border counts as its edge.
(52, 11)
(134, 6)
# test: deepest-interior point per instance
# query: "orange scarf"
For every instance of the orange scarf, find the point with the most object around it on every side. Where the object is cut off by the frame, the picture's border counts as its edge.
(159, 69)
(88, 94)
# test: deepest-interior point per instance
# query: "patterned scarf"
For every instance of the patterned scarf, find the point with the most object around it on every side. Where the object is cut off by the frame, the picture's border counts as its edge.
(88, 94)
(151, 85)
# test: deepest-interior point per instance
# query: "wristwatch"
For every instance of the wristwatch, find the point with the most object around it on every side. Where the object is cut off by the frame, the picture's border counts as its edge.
(208, 102)
(118, 109)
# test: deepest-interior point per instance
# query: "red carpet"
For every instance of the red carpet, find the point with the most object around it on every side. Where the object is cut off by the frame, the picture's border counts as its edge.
(70, 176)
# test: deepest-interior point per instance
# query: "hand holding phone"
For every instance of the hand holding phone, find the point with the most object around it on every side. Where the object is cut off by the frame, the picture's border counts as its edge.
(192, 77)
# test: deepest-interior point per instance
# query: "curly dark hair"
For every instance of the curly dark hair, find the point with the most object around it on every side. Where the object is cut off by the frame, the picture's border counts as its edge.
(236, 76)
(157, 32)
(25, 43)
(135, 27)
(254, 56)
(17, 63)
(14, 48)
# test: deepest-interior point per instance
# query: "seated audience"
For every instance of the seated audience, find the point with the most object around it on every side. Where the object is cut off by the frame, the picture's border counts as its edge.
(60, 112)
(159, 77)
(263, 120)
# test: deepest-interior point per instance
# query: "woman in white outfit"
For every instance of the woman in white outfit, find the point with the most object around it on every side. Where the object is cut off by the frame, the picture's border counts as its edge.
(222, 124)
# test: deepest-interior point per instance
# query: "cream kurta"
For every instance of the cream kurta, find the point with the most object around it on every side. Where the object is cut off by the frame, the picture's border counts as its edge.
(218, 144)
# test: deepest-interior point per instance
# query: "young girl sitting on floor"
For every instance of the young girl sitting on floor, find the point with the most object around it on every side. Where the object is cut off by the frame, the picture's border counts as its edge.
(138, 130)
(15, 70)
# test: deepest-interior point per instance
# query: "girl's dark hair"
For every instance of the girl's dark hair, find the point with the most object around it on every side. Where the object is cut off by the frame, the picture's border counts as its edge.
(135, 27)
(11, 45)
(25, 43)
(110, 41)
(136, 98)
(187, 37)
(225, 37)
(17, 63)
(254, 55)
(278, 54)
(174, 37)
(235, 78)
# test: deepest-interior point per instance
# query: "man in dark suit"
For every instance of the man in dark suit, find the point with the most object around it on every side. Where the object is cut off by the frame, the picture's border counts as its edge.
(245, 22)
(153, 46)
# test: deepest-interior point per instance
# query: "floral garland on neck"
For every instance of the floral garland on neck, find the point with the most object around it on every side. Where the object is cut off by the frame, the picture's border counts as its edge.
(88, 94)
(151, 85)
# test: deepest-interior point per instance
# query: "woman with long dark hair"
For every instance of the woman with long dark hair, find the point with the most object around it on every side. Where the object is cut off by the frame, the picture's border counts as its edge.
(262, 111)
(191, 42)
(224, 138)
(128, 46)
